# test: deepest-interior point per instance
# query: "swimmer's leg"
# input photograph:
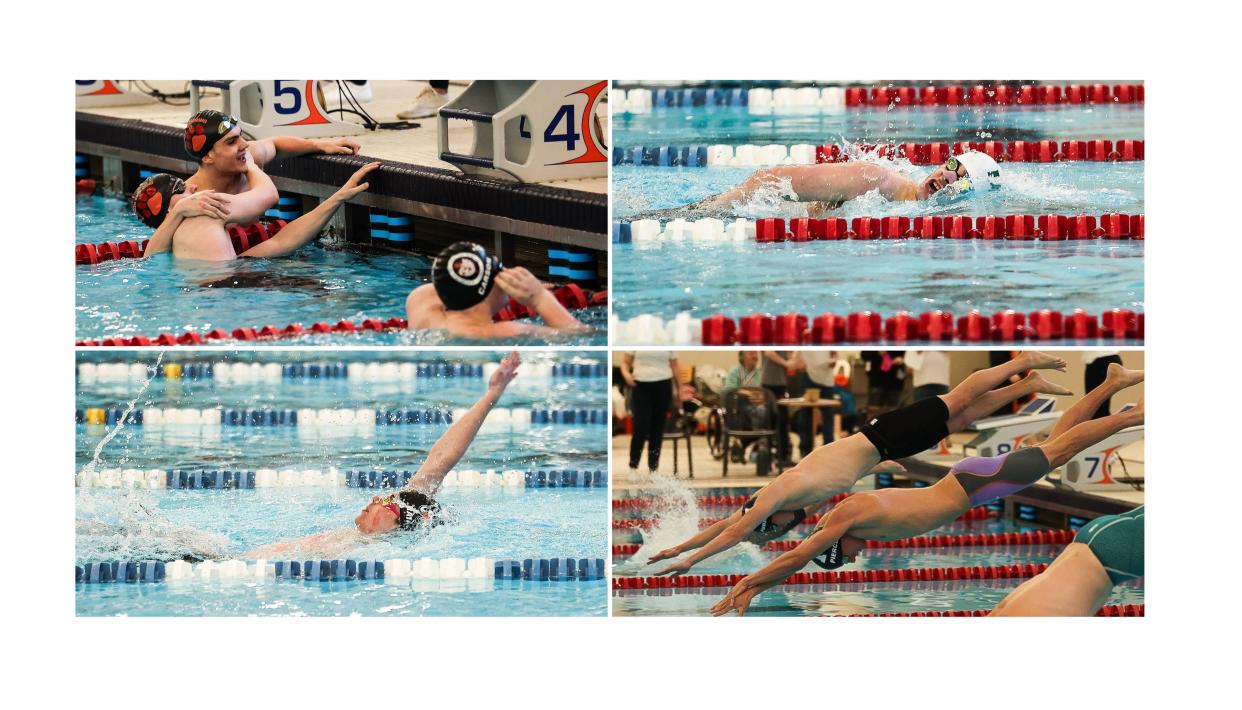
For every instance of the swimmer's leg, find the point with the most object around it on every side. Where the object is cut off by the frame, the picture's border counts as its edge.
(1075, 584)
(1065, 445)
(980, 384)
(1117, 379)
(1033, 383)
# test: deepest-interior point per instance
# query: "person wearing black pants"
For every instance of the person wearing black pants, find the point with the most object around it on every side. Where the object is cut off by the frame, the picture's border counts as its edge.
(653, 376)
(1097, 362)
(774, 378)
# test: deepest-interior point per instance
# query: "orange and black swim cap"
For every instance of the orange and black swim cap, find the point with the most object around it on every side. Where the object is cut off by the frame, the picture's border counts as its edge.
(204, 129)
(153, 198)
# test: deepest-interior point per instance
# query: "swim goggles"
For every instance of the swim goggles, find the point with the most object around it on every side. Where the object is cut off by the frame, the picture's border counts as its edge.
(953, 164)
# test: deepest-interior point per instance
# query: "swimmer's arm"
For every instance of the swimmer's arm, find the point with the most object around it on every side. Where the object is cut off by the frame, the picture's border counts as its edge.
(249, 206)
(767, 502)
(277, 147)
(694, 543)
(452, 445)
(310, 544)
(161, 241)
(838, 182)
(523, 287)
(198, 204)
(307, 228)
(823, 538)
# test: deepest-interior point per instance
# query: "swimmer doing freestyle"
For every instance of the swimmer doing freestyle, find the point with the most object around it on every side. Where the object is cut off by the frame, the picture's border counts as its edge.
(463, 297)
(414, 506)
(230, 187)
(835, 467)
(899, 513)
(828, 186)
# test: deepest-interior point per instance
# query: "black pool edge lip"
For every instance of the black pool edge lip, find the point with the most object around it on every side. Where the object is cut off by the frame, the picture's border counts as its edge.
(552, 206)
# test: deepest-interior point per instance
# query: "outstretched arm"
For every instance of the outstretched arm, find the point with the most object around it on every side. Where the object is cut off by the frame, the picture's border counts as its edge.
(834, 528)
(699, 540)
(249, 206)
(307, 228)
(768, 501)
(277, 147)
(452, 445)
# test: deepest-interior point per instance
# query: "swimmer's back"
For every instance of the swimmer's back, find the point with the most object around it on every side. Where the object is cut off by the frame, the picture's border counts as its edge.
(424, 310)
(202, 238)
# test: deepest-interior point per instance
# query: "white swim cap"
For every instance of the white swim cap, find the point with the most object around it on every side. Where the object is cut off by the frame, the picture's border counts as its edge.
(984, 173)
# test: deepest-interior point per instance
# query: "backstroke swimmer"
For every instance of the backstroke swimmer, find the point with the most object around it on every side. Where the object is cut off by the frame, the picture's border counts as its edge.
(1105, 552)
(414, 507)
(835, 467)
(828, 186)
(899, 513)
(463, 297)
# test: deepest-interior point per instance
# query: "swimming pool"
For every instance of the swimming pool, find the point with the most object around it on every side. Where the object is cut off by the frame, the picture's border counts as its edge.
(934, 582)
(696, 269)
(166, 487)
(148, 297)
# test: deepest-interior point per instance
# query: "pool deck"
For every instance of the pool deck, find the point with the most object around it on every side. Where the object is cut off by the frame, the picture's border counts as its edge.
(413, 180)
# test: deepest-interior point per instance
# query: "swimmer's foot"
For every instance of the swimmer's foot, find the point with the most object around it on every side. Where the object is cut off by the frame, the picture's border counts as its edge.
(1137, 413)
(1042, 361)
(1123, 378)
(1037, 383)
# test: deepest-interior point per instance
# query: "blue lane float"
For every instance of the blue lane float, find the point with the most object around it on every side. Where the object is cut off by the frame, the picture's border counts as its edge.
(566, 569)
(237, 480)
(291, 417)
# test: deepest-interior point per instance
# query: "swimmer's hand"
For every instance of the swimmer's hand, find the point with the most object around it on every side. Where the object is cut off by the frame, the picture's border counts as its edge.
(522, 286)
(676, 569)
(204, 203)
(338, 146)
(508, 370)
(663, 555)
(354, 185)
(738, 598)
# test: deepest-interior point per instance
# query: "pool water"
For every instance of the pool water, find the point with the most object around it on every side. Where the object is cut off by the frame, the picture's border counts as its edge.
(496, 522)
(128, 297)
(664, 278)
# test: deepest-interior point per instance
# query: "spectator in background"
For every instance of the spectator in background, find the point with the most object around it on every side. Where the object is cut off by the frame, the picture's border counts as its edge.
(653, 376)
(746, 374)
(777, 364)
(1097, 362)
(930, 370)
(886, 374)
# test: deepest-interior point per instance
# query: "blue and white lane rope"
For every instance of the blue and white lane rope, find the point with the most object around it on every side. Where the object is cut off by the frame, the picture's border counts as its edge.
(225, 480)
(228, 416)
(257, 372)
(399, 571)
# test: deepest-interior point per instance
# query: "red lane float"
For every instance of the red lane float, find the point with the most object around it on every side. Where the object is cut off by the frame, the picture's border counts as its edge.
(1006, 326)
(1100, 150)
(992, 95)
(1017, 227)
(570, 295)
(243, 238)
(1113, 610)
(934, 574)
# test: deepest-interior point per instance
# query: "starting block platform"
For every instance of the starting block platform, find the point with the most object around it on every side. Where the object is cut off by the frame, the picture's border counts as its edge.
(1090, 470)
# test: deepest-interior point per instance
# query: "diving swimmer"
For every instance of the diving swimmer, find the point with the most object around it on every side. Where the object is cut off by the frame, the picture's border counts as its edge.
(899, 513)
(828, 186)
(1105, 552)
(835, 467)
(414, 506)
(469, 287)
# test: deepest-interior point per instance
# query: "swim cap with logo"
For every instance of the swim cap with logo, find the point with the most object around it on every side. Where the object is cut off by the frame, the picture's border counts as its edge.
(204, 129)
(831, 558)
(153, 198)
(415, 509)
(464, 274)
(982, 172)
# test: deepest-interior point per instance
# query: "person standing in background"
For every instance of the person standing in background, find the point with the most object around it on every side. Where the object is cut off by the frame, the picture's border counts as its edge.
(886, 374)
(1097, 362)
(819, 371)
(931, 372)
(652, 375)
(775, 379)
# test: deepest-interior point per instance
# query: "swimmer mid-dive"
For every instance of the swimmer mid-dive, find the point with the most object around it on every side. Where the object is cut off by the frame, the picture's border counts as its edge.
(193, 224)
(414, 506)
(463, 297)
(827, 186)
(1105, 552)
(835, 467)
(899, 513)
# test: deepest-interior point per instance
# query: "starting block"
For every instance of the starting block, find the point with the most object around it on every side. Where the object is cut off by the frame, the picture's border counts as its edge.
(280, 107)
(1089, 470)
(1000, 435)
(92, 93)
(530, 131)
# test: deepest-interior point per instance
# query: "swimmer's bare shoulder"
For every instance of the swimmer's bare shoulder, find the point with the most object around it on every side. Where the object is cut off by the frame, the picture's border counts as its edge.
(202, 238)
(424, 310)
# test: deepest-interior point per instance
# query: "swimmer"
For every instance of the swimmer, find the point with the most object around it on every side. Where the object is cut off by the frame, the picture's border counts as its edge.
(828, 186)
(1105, 552)
(195, 227)
(835, 467)
(899, 513)
(463, 297)
(414, 506)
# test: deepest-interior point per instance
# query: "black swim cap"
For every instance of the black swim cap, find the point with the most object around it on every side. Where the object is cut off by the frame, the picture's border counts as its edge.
(153, 198)
(831, 558)
(464, 274)
(204, 129)
(417, 509)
